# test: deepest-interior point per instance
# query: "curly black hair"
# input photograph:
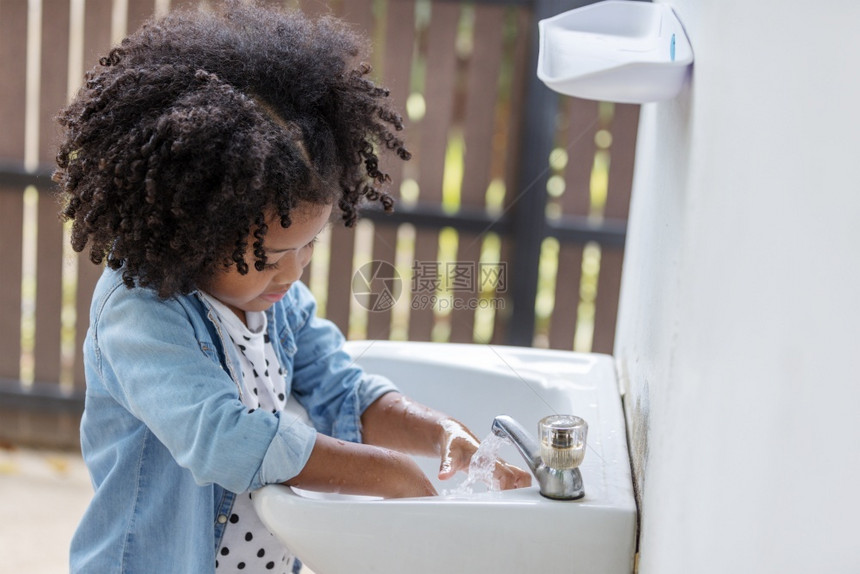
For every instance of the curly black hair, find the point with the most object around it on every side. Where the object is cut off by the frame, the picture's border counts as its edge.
(204, 124)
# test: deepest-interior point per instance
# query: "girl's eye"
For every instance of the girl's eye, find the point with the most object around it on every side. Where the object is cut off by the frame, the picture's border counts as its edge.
(274, 265)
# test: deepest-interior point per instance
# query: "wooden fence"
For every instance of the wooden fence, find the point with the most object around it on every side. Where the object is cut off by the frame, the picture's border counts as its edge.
(509, 228)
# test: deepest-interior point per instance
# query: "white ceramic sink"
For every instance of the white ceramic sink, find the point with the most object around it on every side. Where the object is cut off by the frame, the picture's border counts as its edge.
(488, 532)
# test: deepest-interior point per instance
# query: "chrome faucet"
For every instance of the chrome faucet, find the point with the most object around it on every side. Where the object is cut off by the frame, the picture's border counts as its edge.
(554, 461)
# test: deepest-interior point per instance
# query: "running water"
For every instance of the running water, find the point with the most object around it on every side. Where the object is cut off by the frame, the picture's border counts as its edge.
(481, 467)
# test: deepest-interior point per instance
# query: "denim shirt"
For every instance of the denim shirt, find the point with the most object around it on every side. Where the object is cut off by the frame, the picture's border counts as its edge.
(166, 438)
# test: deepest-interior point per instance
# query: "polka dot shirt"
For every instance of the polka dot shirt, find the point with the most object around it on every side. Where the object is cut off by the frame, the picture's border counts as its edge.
(247, 545)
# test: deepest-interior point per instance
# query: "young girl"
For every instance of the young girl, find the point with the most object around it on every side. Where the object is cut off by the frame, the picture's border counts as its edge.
(200, 161)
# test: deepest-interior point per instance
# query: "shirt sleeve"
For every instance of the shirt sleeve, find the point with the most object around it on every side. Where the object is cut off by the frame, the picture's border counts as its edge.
(327, 382)
(159, 370)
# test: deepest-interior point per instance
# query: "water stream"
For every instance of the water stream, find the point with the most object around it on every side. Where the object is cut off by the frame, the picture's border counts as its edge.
(480, 477)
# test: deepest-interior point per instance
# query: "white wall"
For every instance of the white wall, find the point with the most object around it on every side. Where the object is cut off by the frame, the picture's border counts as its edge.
(739, 328)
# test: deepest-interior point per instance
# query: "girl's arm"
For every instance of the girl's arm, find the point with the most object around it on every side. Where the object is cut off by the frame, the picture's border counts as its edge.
(396, 422)
(351, 468)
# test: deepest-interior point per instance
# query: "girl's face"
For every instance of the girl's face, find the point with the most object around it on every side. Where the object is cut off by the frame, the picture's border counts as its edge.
(288, 251)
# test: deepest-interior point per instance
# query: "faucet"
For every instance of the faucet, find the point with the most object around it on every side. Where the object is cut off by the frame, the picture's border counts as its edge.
(556, 460)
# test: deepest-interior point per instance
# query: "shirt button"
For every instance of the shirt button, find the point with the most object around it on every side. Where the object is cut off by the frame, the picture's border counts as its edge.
(222, 519)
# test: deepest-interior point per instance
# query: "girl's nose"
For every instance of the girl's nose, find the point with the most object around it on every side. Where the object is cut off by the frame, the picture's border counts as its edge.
(305, 255)
(290, 271)
(293, 267)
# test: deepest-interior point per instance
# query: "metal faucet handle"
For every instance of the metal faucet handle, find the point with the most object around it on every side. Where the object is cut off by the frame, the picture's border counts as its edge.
(565, 444)
(562, 441)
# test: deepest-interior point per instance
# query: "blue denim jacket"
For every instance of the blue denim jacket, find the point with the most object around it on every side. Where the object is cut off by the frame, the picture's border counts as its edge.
(166, 438)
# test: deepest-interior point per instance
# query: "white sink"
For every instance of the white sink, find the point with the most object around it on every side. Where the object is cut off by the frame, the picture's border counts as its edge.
(514, 531)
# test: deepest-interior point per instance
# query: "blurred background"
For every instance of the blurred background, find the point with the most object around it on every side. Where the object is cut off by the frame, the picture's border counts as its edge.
(509, 226)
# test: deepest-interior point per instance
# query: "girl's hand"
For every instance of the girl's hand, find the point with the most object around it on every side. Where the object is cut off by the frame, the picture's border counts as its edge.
(458, 444)
(393, 421)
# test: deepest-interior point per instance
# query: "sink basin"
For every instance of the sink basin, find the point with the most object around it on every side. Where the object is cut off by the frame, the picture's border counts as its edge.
(513, 531)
